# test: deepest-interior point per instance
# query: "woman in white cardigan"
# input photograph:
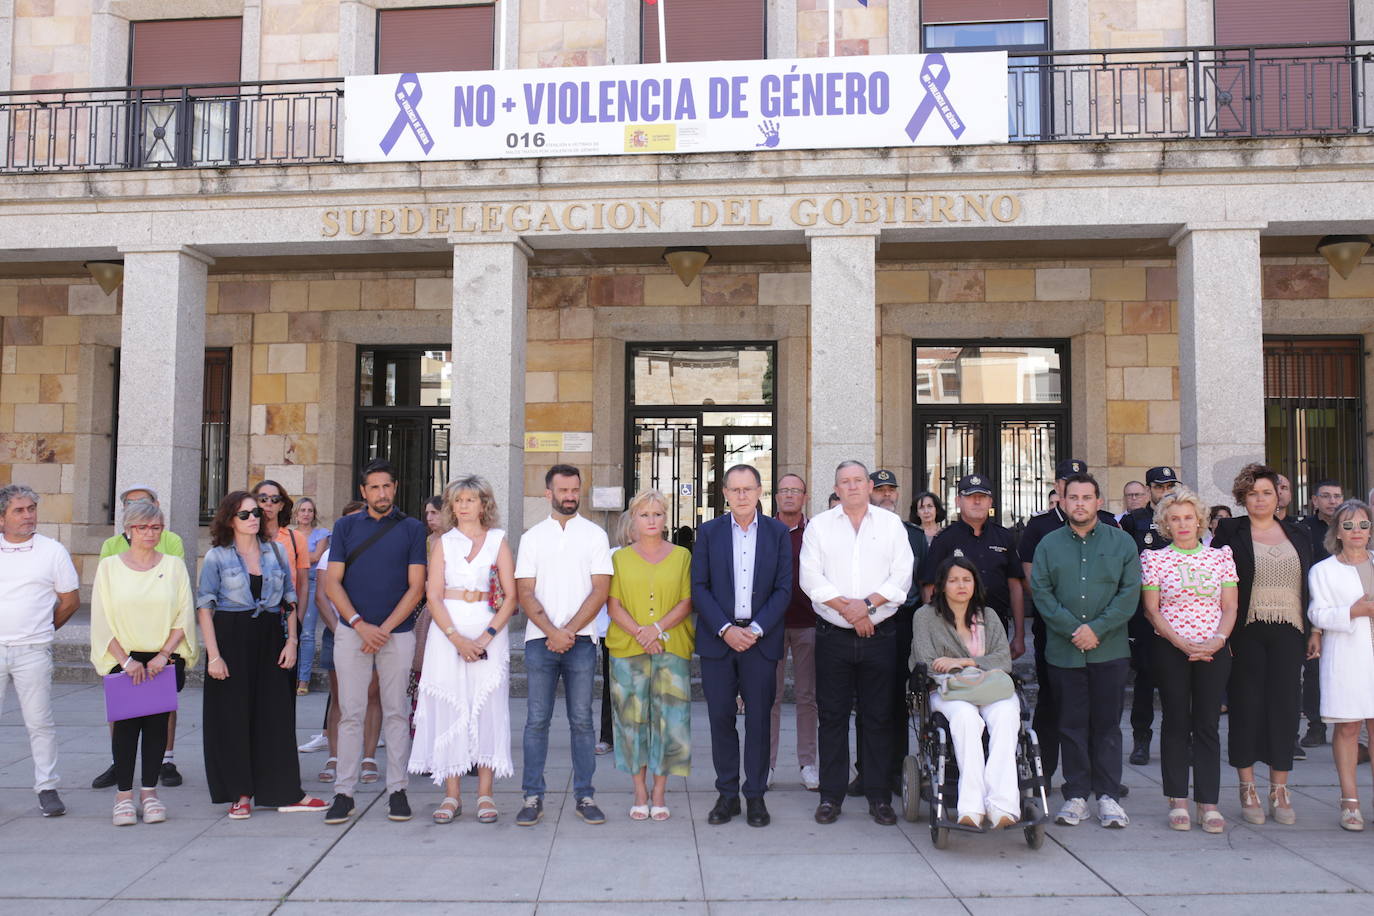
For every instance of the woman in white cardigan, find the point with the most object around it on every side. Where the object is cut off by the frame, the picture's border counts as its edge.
(1342, 606)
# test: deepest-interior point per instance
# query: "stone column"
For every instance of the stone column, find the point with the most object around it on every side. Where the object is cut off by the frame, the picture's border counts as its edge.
(1221, 355)
(161, 380)
(843, 355)
(490, 280)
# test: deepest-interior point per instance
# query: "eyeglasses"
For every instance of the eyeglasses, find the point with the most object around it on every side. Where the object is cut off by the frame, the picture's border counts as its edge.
(245, 514)
(22, 548)
(791, 491)
(264, 498)
(1351, 526)
(146, 529)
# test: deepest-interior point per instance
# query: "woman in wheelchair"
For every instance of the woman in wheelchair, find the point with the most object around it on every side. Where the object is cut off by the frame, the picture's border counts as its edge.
(957, 631)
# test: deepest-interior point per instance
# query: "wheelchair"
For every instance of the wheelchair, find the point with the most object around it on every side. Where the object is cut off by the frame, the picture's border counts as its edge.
(930, 777)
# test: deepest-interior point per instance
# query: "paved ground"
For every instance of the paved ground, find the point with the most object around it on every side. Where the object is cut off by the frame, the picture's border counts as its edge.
(201, 862)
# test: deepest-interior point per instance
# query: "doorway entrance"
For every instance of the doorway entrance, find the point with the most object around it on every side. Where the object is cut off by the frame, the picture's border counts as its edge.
(403, 417)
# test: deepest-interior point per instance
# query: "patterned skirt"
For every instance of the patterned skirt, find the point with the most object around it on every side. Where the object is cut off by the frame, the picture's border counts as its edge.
(652, 699)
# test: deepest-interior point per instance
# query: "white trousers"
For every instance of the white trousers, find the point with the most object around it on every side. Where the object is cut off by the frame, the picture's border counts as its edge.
(984, 785)
(30, 668)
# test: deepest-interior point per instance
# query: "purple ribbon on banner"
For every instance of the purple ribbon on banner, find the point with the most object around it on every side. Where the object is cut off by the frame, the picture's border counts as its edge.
(935, 84)
(408, 100)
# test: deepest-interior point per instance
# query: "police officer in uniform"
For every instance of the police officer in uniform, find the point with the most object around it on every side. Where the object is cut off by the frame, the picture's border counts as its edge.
(885, 495)
(992, 549)
(1046, 719)
(1140, 524)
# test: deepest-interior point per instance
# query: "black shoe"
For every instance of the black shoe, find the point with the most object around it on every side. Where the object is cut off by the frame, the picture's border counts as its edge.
(1140, 754)
(725, 808)
(531, 812)
(882, 813)
(51, 805)
(1299, 752)
(1123, 792)
(588, 811)
(1315, 737)
(856, 788)
(170, 777)
(827, 812)
(340, 811)
(758, 812)
(105, 779)
(400, 806)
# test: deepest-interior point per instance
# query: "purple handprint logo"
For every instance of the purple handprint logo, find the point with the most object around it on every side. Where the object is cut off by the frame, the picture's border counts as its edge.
(769, 129)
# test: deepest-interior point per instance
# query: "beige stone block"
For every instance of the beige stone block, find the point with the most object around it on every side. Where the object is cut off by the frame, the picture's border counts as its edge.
(1128, 416)
(260, 352)
(302, 388)
(57, 389)
(575, 323)
(1151, 450)
(1126, 350)
(19, 389)
(38, 418)
(271, 328)
(9, 301)
(541, 36)
(45, 478)
(558, 355)
(330, 295)
(667, 289)
(82, 299)
(1118, 283)
(286, 357)
(267, 450)
(584, 34)
(1164, 417)
(1116, 450)
(289, 296)
(558, 417)
(319, 47)
(1148, 384)
(541, 387)
(434, 293)
(1163, 349)
(542, 324)
(957, 286)
(574, 386)
(56, 509)
(1010, 285)
(257, 420)
(1359, 286)
(785, 289)
(1063, 283)
(1111, 313)
(38, 360)
(268, 389)
(285, 418)
(388, 294)
(899, 287)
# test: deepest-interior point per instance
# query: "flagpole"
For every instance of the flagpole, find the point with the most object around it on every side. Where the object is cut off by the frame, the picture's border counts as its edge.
(832, 28)
(501, 47)
(663, 32)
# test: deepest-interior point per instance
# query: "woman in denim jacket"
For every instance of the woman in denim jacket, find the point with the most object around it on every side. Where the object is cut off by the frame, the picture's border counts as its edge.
(250, 710)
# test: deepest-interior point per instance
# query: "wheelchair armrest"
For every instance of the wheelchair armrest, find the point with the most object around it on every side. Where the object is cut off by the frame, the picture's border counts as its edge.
(919, 680)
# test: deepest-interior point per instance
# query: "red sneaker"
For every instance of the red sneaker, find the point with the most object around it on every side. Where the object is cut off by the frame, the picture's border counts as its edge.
(309, 803)
(241, 810)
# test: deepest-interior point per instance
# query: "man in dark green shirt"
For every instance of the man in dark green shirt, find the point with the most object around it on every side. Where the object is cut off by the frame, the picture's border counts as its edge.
(1085, 578)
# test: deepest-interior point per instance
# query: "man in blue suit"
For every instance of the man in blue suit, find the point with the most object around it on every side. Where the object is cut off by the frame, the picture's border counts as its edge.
(741, 585)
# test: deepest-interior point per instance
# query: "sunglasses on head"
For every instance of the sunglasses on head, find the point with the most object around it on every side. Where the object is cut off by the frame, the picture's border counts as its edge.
(1351, 526)
(264, 498)
(245, 514)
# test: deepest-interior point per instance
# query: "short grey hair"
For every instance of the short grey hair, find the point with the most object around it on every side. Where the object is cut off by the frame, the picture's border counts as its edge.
(1332, 541)
(142, 512)
(15, 491)
(850, 463)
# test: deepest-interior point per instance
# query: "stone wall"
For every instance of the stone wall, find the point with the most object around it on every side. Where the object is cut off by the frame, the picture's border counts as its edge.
(52, 44)
(563, 33)
(300, 39)
(1137, 23)
(858, 30)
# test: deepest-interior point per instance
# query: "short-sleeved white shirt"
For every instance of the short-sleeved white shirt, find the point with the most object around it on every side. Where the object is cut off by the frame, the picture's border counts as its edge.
(561, 559)
(30, 581)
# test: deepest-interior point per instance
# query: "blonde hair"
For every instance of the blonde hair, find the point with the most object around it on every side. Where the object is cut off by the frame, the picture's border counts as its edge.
(622, 536)
(1180, 494)
(471, 484)
(642, 499)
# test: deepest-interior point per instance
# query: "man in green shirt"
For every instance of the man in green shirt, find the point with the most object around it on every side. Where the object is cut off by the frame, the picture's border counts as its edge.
(171, 545)
(1085, 578)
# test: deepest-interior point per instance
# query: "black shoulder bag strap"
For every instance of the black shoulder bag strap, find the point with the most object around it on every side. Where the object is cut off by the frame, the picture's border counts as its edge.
(386, 525)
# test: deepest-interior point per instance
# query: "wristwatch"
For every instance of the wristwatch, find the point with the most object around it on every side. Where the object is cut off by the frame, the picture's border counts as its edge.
(869, 604)
(449, 631)
(491, 631)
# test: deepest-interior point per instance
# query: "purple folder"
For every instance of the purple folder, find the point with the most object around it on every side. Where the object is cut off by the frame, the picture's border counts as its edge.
(125, 701)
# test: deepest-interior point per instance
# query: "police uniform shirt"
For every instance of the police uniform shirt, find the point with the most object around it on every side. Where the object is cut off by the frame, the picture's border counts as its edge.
(917, 538)
(993, 552)
(1047, 521)
(1140, 524)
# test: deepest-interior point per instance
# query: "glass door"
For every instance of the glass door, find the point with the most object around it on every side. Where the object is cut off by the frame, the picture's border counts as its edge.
(403, 417)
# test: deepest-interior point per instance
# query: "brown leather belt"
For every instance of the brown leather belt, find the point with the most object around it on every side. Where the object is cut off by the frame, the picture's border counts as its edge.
(462, 594)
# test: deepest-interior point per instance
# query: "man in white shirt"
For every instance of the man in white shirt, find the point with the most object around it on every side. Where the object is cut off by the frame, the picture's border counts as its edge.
(38, 593)
(856, 566)
(563, 575)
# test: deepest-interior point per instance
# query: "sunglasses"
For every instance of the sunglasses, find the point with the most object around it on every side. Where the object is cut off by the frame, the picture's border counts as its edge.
(1351, 526)
(245, 514)
(264, 498)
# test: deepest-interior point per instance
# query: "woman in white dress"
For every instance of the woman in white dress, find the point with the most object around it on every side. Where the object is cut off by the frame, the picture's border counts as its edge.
(1342, 606)
(462, 719)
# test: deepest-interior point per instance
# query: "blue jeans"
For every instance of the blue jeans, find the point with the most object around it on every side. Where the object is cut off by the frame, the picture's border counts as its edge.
(577, 667)
(305, 658)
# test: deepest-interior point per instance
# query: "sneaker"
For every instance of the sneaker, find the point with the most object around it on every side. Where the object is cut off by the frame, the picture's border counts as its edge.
(1110, 813)
(589, 812)
(811, 778)
(1299, 752)
(1074, 810)
(531, 812)
(169, 776)
(603, 748)
(317, 743)
(1315, 737)
(51, 804)
(105, 779)
(340, 811)
(400, 806)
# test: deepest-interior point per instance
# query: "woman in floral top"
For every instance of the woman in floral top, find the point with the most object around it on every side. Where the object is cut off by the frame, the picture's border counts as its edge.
(1189, 593)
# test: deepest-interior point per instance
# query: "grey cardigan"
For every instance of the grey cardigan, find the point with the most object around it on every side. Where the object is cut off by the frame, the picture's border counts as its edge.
(933, 638)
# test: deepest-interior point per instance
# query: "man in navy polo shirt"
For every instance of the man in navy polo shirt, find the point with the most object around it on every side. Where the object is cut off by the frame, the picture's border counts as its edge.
(376, 578)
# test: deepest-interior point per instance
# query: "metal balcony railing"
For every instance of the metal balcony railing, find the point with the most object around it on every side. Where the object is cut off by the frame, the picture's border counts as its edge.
(1214, 92)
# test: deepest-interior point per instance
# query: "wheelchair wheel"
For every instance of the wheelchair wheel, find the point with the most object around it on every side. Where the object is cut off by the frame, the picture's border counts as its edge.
(939, 836)
(911, 789)
(1035, 835)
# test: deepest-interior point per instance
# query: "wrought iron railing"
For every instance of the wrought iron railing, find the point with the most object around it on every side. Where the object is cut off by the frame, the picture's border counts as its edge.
(1092, 95)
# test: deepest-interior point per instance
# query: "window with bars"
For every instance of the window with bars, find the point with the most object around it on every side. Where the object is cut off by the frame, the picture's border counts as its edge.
(187, 126)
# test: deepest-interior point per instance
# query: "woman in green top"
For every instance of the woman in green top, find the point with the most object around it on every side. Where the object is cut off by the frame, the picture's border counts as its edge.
(650, 639)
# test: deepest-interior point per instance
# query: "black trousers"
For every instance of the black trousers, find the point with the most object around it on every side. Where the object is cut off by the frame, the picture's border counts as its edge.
(1142, 637)
(901, 733)
(1045, 721)
(1263, 694)
(849, 667)
(607, 726)
(126, 734)
(1190, 695)
(753, 677)
(1090, 700)
(249, 718)
(1312, 691)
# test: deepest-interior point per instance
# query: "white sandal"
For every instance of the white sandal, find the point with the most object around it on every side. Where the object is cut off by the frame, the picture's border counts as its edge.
(369, 776)
(486, 810)
(446, 813)
(1351, 818)
(125, 814)
(330, 770)
(154, 811)
(1180, 819)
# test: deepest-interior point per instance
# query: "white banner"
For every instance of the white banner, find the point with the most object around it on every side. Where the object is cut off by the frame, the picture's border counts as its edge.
(720, 106)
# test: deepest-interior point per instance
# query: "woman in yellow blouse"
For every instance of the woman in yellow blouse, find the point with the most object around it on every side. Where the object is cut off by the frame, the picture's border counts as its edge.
(142, 620)
(650, 640)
